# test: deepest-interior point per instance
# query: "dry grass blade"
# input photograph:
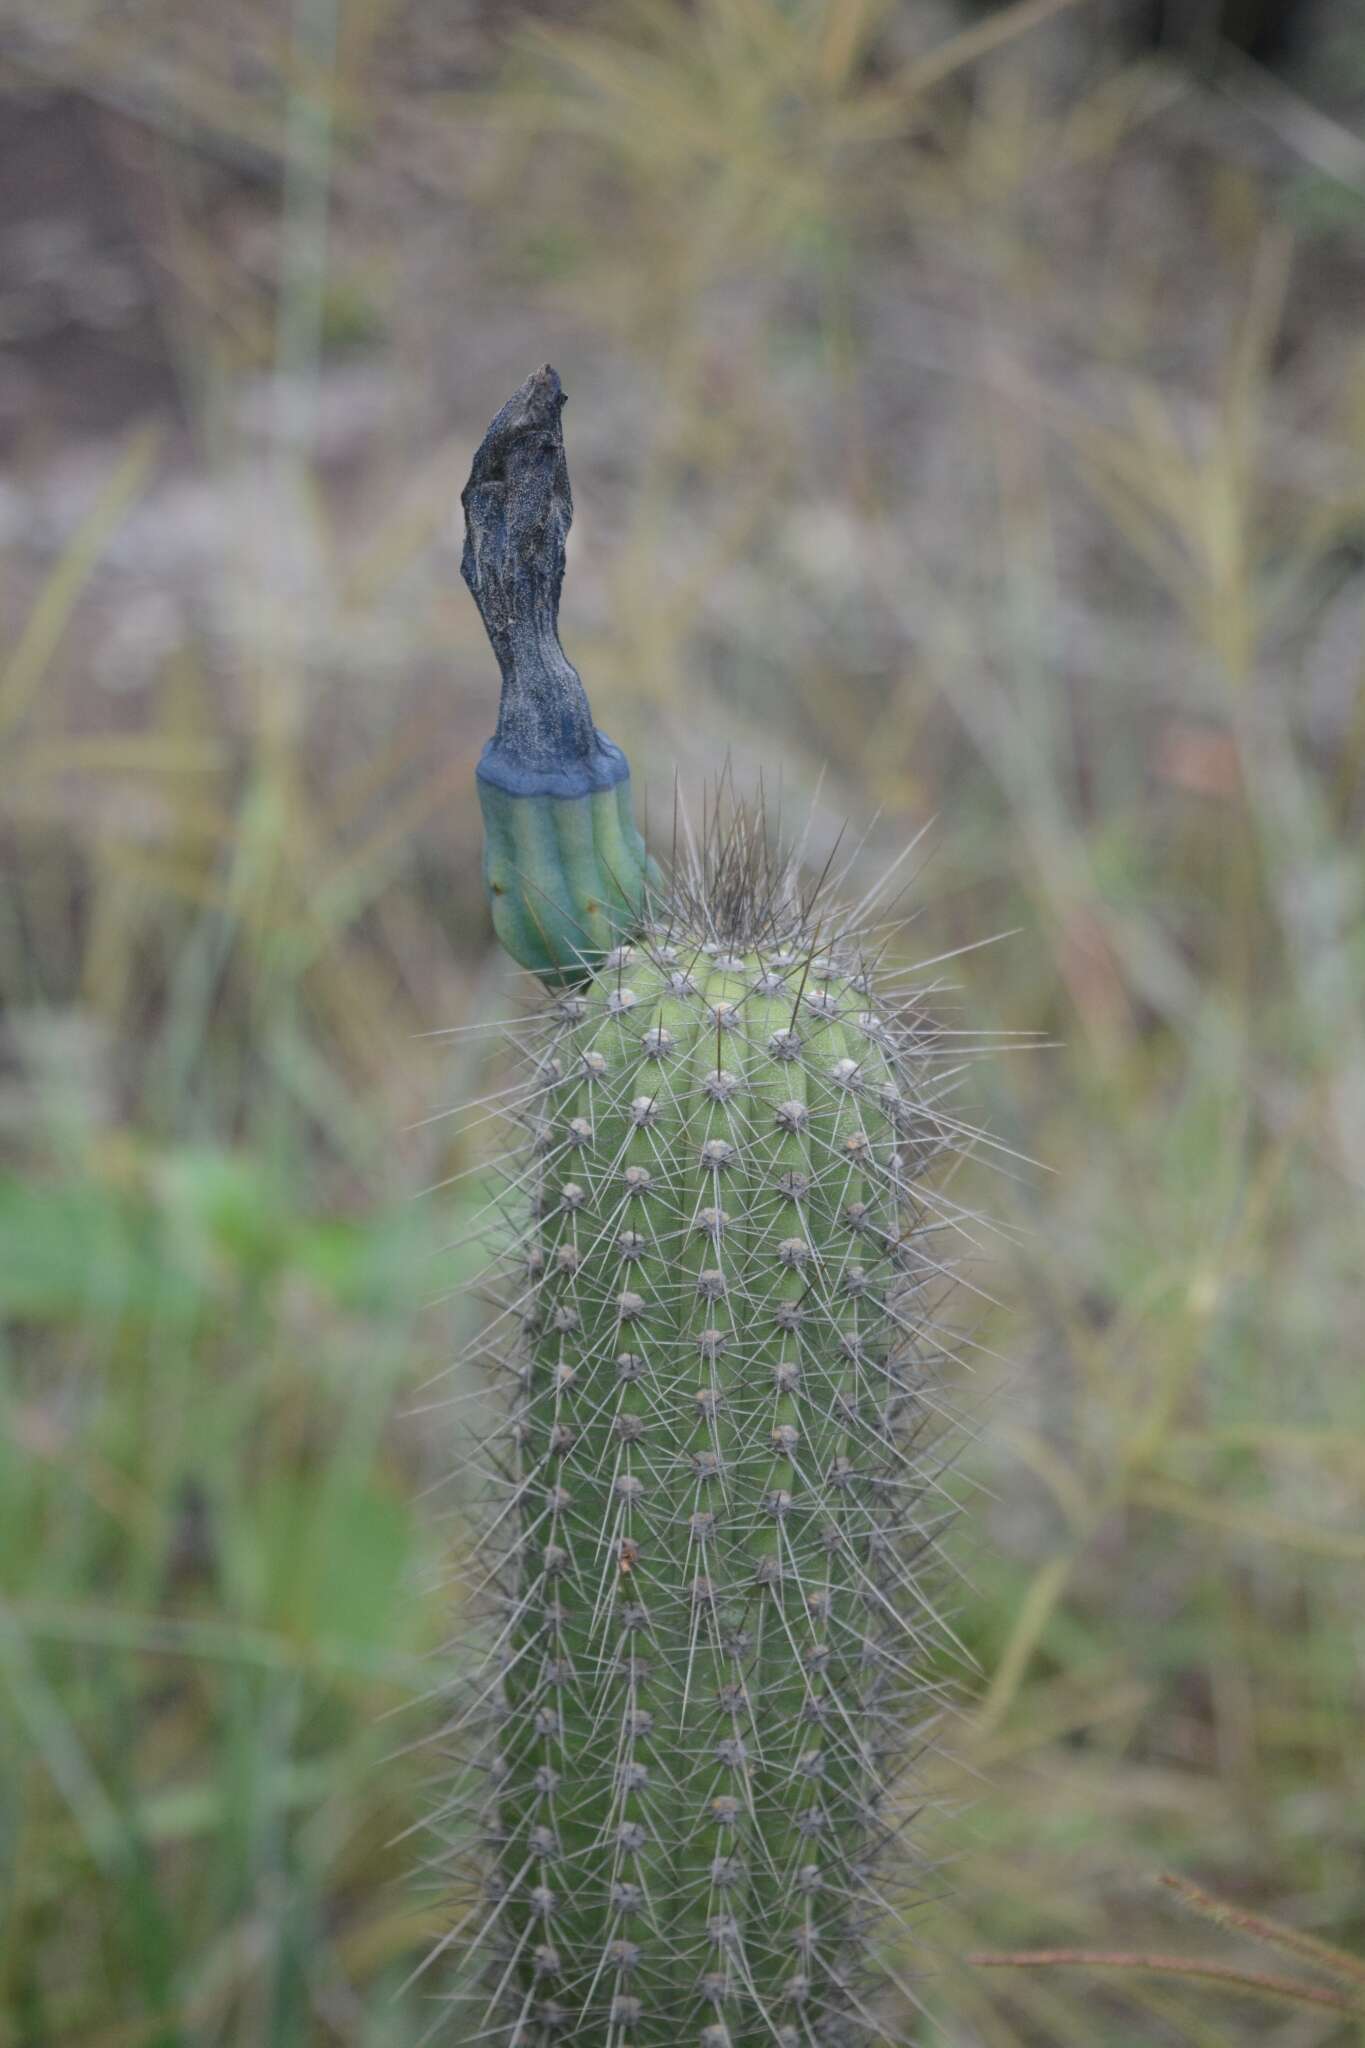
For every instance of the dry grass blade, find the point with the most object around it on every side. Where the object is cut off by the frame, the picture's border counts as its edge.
(23, 673)
(1272, 1933)
(1259, 1984)
(1255, 1983)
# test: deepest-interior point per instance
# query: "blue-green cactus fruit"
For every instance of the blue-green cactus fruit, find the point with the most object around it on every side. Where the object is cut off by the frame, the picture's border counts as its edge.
(566, 869)
(565, 875)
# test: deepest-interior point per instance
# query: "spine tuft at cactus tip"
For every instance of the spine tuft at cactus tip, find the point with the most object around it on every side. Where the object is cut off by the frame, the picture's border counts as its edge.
(705, 1593)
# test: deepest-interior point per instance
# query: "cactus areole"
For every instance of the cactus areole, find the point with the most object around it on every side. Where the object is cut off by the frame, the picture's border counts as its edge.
(705, 1616)
(564, 865)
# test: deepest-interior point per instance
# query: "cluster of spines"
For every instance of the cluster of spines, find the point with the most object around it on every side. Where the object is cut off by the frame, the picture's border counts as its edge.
(711, 1615)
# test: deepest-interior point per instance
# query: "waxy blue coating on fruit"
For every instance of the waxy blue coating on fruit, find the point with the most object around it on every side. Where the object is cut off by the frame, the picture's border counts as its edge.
(566, 877)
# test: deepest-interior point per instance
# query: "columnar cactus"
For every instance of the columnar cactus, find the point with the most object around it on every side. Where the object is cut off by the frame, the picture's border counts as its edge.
(706, 1654)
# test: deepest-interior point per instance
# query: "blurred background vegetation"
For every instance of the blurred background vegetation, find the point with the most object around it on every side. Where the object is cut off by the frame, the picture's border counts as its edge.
(968, 422)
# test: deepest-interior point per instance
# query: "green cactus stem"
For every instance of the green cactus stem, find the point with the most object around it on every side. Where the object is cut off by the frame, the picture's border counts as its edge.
(565, 868)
